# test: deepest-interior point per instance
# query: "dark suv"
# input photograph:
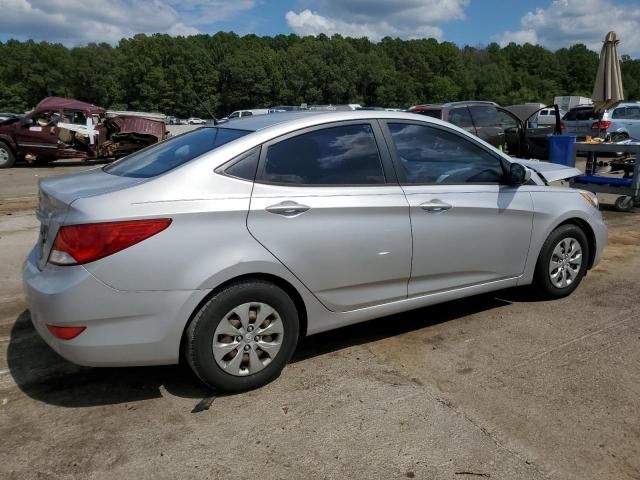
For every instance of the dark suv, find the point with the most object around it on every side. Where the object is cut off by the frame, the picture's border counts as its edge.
(495, 125)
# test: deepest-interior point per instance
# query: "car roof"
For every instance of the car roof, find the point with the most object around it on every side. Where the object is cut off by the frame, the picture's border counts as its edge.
(259, 122)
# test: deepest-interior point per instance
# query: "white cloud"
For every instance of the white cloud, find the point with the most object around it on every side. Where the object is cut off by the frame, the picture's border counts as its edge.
(377, 18)
(76, 22)
(567, 22)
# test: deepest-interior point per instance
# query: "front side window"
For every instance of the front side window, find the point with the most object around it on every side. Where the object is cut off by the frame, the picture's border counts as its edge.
(344, 155)
(172, 153)
(484, 115)
(433, 155)
(507, 121)
(461, 117)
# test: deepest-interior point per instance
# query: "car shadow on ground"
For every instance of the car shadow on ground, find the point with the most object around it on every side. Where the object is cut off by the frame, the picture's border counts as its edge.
(45, 376)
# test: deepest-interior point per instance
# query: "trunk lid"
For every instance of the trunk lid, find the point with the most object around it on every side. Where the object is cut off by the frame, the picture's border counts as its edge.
(551, 172)
(56, 194)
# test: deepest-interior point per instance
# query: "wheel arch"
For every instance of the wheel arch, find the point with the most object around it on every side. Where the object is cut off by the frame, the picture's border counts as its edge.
(271, 278)
(589, 233)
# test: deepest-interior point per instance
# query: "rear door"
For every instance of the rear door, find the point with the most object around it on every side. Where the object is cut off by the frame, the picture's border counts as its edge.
(488, 128)
(468, 227)
(326, 203)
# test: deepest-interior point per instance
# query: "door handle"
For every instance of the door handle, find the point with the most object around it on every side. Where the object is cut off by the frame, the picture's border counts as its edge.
(435, 206)
(287, 208)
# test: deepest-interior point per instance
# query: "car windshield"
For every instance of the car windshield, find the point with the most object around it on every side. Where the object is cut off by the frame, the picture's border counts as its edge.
(165, 156)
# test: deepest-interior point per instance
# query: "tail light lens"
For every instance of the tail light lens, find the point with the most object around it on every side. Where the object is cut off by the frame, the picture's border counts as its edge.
(79, 244)
(562, 126)
(602, 125)
(65, 333)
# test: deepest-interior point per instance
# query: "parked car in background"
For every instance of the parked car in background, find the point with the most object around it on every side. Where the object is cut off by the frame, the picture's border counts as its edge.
(493, 124)
(284, 108)
(196, 121)
(620, 123)
(227, 245)
(171, 120)
(567, 102)
(66, 128)
(547, 116)
(247, 113)
(625, 119)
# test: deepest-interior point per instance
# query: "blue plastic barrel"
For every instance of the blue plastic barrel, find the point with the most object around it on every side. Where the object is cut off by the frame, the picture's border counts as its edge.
(561, 149)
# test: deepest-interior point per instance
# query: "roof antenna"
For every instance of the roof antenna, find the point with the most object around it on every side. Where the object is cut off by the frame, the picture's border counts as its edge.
(203, 105)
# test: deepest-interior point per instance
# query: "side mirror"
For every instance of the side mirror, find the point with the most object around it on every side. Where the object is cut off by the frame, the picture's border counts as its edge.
(518, 174)
(26, 121)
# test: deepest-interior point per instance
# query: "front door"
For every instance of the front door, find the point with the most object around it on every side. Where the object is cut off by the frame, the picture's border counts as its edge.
(326, 204)
(38, 134)
(468, 227)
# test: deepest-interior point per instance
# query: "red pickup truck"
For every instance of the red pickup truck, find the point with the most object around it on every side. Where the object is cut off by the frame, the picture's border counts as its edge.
(66, 128)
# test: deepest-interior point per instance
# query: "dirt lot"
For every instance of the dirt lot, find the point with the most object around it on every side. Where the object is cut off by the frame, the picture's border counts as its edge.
(497, 386)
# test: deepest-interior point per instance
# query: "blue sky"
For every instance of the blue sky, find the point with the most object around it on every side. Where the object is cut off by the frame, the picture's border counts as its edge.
(552, 23)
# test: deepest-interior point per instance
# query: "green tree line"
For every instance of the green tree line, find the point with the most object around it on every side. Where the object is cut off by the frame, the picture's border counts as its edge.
(219, 73)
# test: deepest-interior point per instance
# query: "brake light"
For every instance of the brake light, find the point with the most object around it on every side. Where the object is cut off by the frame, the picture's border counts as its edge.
(562, 126)
(601, 125)
(79, 244)
(65, 333)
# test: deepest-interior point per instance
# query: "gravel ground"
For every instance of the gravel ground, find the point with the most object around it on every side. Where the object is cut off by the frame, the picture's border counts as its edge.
(497, 386)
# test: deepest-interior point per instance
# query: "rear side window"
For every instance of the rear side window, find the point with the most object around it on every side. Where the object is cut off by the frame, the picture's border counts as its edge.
(172, 153)
(461, 117)
(484, 116)
(344, 155)
(633, 113)
(619, 113)
(430, 155)
(244, 166)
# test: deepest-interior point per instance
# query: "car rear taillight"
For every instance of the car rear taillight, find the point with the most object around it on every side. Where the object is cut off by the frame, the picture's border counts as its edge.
(79, 244)
(601, 125)
(562, 126)
(65, 333)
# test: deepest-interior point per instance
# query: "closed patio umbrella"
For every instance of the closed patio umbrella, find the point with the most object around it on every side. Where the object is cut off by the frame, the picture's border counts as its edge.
(607, 92)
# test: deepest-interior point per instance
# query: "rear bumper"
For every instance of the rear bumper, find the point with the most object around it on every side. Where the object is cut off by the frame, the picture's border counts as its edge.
(123, 328)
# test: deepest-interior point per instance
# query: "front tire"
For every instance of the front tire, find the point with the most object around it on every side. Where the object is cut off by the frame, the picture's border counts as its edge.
(243, 336)
(562, 262)
(7, 157)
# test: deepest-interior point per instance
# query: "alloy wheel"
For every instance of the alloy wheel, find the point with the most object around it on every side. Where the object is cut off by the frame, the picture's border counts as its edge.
(565, 262)
(247, 338)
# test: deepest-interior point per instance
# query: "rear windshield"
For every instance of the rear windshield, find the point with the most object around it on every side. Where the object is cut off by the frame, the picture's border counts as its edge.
(435, 113)
(581, 114)
(172, 153)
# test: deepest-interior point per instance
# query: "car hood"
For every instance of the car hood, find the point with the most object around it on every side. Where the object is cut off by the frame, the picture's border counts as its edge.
(551, 172)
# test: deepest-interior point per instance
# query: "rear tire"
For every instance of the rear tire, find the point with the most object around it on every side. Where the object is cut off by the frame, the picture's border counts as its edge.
(562, 262)
(7, 157)
(243, 336)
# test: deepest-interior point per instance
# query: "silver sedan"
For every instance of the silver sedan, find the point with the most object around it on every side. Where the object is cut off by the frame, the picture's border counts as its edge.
(228, 244)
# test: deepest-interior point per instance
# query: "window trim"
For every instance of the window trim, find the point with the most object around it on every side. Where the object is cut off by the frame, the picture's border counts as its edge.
(388, 169)
(396, 157)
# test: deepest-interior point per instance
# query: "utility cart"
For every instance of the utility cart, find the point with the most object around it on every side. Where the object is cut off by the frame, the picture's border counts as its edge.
(628, 188)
